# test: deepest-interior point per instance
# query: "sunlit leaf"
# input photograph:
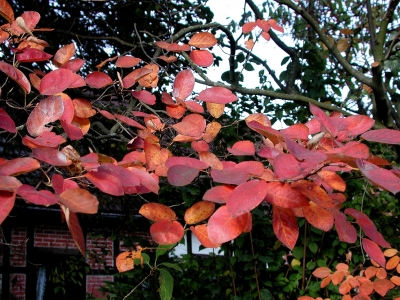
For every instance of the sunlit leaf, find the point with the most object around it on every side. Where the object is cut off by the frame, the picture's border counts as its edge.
(106, 183)
(56, 81)
(98, 80)
(203, 40)
(183, 84)
(215, 109)
(386, 136)
(130, 79)
(201, 232)
(318, 216)
(382, 286)
(282, 195)
(211, 132)
(157, 212)
(64, 54)
(218, 194)
(314, 193)
(219, 95)
(285, 226)
(242, 148)
(202, 58)
(16, 75)
(211, 159)
(79, 201)
(47, 139)
(83, 108)
(322, 272)
(198, 212)
(249, 26)
(165, 232)
(51, 156)
(18, 166)
(6, 11)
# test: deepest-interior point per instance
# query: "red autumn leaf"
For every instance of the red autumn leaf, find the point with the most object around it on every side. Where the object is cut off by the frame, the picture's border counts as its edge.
(18, 166)
(259, 118)
(162, 44)
(7, 200)
(200, 146)
(217, 95)
(322, 272)
(127, 61)
(174, 47)
(318, 217)
(218, 194)
(333, 180)
(286, 166)
(203, 40)
(6, 122)
(157, 212)
(302, 154)
(106, 114)
(98, 80)
(201, 232)
(175, 111)
(146, 180)
(366, 287)
(314, 193)
(282, 195)
(373, 251)
(239, 173)
(106, 183)
(16, 75)
(266, 35)
(382, 286)
(296, 131)
(33, 55)
(202, 58)
(47, 139)
(387, 136)
(325, 121)
(273, 135)
(354, 125)
(130, 79)
(145, 97)
(241, 201)
(361, 218)
(222, 227)
(181, 175)
(48, 110)
(249, 26)
(42, 197)
(56, 81)
(64, 54)
(83, 108)
(74, 64)
(165, 232)
(183, 84)
(263, 24)
(187, 161)
(75, 229)
(242, 148)
(126, 177)
(285, 226)
(129, 121)
(274, 25)
(6, 11)
(346, 231)
(9, 184)
(190, 129)
(79, 201)
(168, 59)
(51, 156)
(379, 177)
(198, 212)
(60, 184)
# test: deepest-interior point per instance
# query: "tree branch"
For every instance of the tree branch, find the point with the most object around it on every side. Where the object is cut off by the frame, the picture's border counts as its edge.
(331, 46)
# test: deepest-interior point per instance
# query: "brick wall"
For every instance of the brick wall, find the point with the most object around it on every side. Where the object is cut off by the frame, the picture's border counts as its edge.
(53, 237)
(101, 252)
(17, 286)
(18, 250)
(94, 282)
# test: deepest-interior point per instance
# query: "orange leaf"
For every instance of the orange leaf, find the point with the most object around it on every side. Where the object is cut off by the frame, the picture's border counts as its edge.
(327, 280)
(370, 272)
(64, 54)
(318, 216)
(157, 212)
(211, 159)
(392, 263)
(260, 118)
(6, 11)
(285, 226)
(151, 79)
(168, 59)
(345, 288)
(249, 26)
(249, 44)
(83, 108)
(124, 262)
(314, 193)
(201, 232)
(165, 232)
(79, 201)
(367, 287)
(211, 131)
(242, 148)
(322, 272)
(390, 252)
(199, 212)
(215, 109)
(74, 227)
(381, 273)
(203, 40)
(382, 286)
(130, 79)
(337, 277)
(333, 180)
(395, 280)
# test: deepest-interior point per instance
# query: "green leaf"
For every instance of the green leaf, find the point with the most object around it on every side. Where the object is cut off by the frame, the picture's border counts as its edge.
(313, 247)
(172, 266)
(146, 258)
(162, 249)
(166, 284)
(285, 60)
(265, 294)
(297, 252)
(240, 57)
(248, 67)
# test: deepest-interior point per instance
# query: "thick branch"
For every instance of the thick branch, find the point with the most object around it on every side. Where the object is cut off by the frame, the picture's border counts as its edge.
(331, 46)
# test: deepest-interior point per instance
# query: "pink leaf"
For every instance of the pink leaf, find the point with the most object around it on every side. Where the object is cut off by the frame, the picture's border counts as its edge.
(241, 201)
(346, 231)
(6, 122)
(42, 197)
(242, 148)
(51, 156)
(325, 121)
(73, 64)
(48, 110)
(19, 166)
(217, 95)
(187, 161)
(165, 232)
(106, 183)
(202, 58)
(98, 80)
(60, 184)
(127, 61)
(183, 84)
(219, 194)
(33, 55)
(16, 75)
(373, 251)
(181, 175)
(145, 97)
(380, 177)
(56, 81)
(387, 136)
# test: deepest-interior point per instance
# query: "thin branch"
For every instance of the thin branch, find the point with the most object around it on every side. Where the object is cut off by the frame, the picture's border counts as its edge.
(372, 29)
(331, 46)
